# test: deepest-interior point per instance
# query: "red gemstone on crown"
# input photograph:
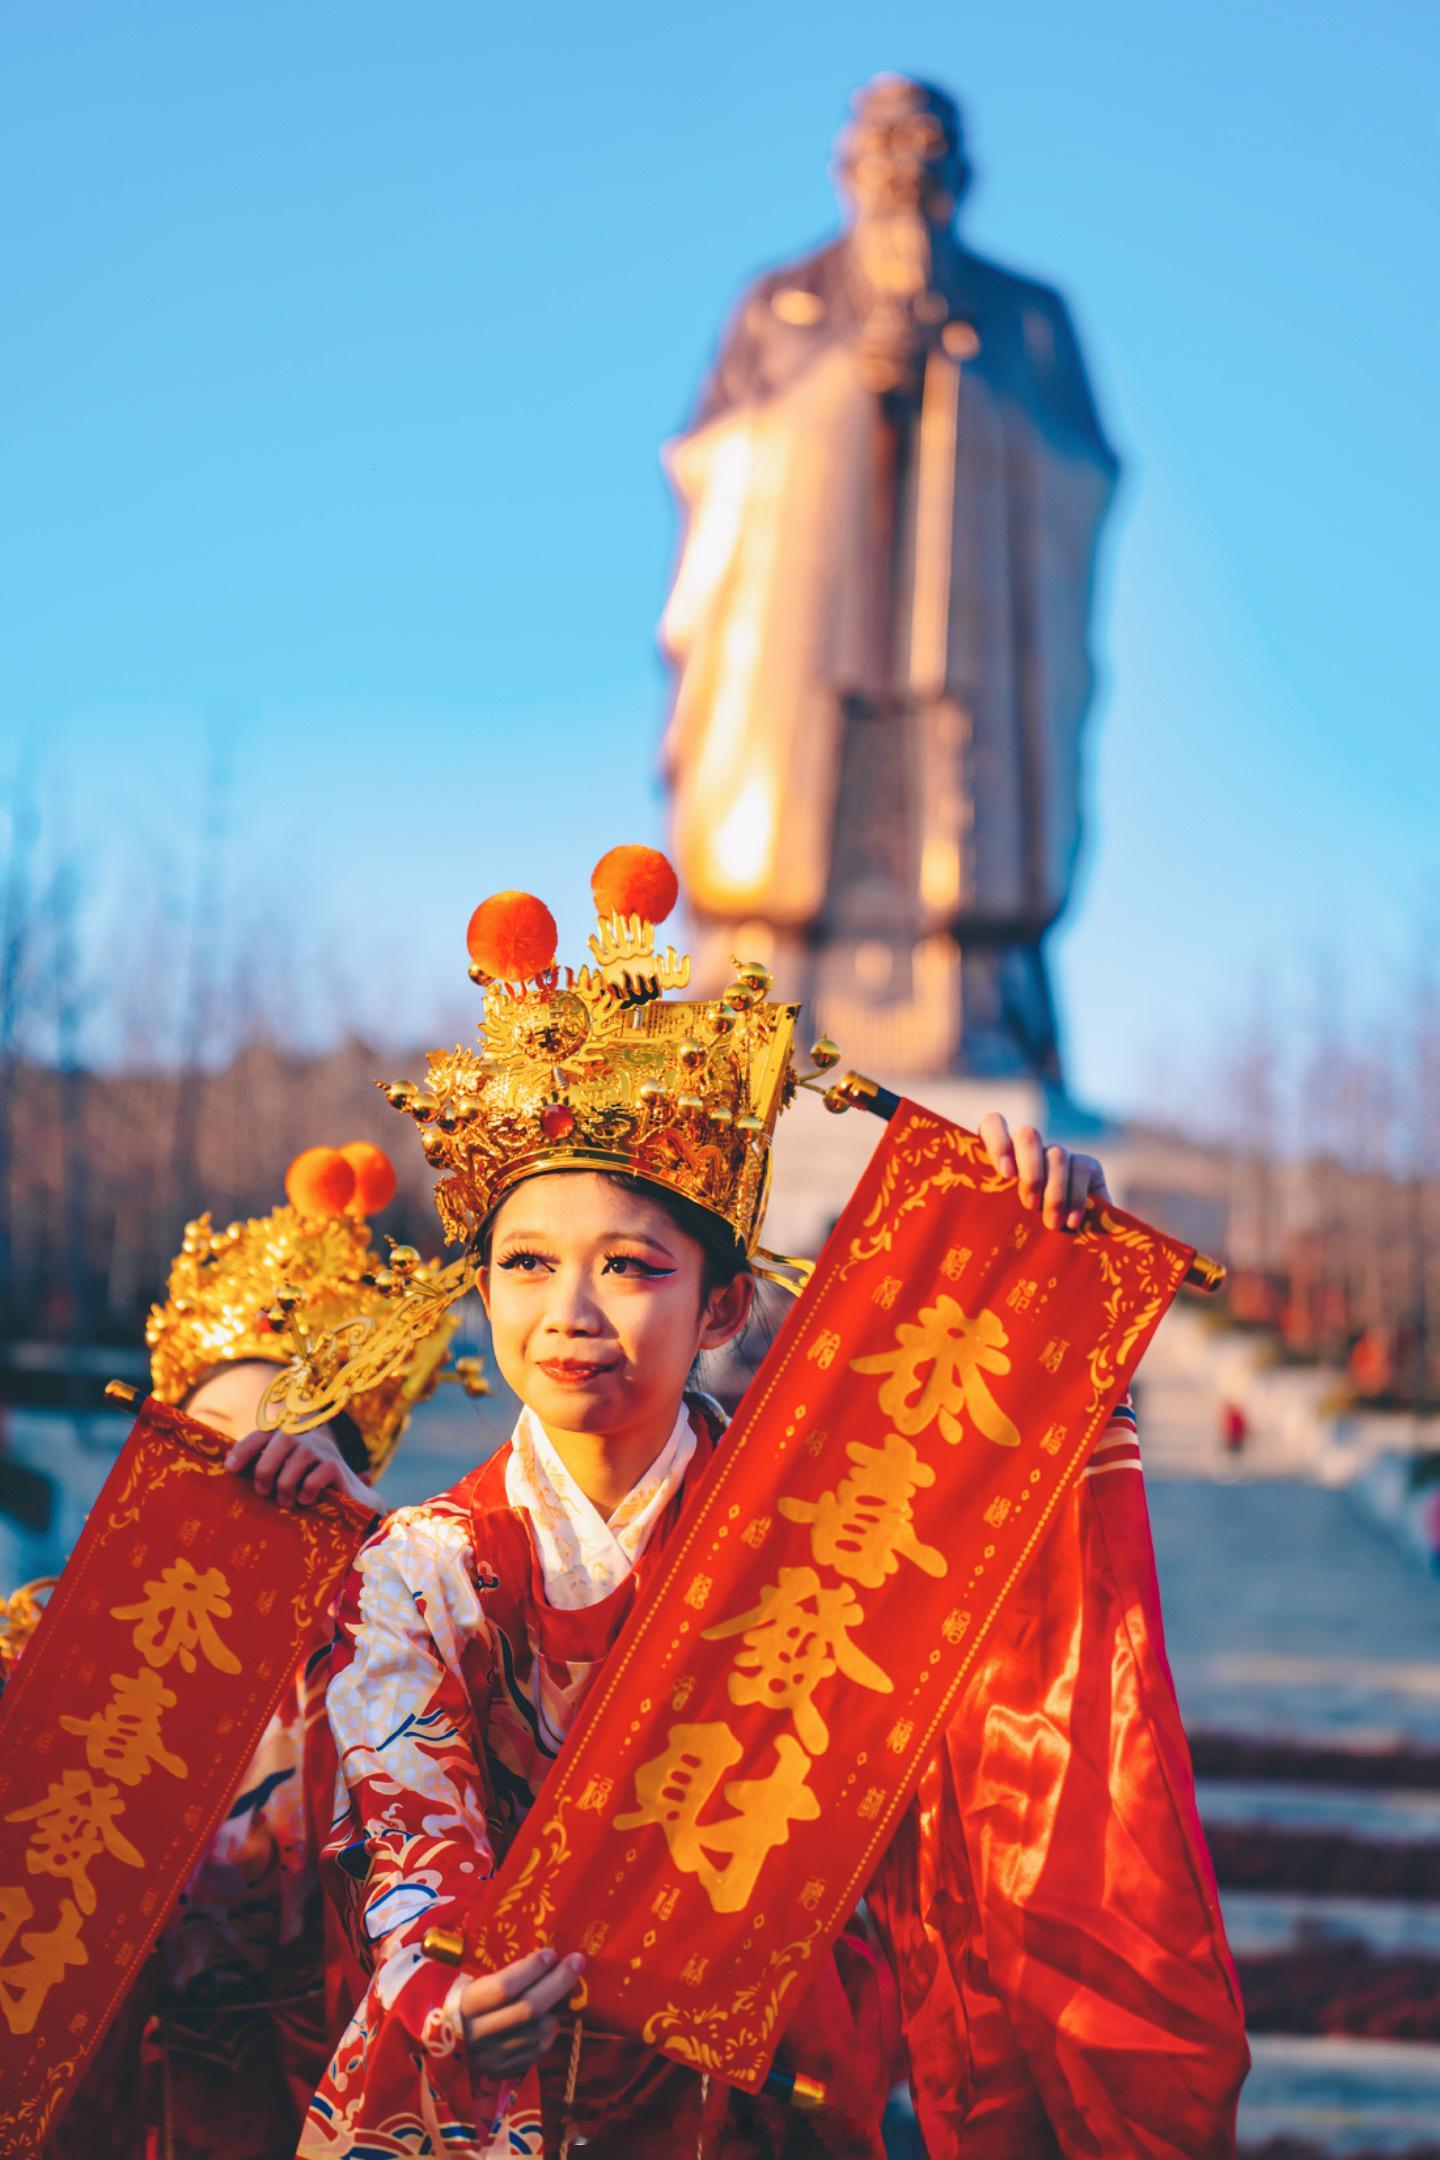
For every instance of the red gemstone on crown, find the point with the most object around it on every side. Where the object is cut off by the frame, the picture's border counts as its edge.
(557, 1121)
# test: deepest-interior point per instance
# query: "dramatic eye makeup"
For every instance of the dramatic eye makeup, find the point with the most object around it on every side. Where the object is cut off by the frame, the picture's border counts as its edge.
(629, 1263)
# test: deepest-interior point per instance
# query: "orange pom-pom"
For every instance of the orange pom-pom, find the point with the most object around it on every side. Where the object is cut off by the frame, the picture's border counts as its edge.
(374, 1178)
(634, 881)
(512, 936)
(320, 1182)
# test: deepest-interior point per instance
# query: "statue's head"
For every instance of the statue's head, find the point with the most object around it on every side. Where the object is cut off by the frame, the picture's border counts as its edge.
(902, 151)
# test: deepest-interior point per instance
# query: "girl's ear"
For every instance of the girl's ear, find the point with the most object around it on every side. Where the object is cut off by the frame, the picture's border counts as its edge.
(482, 1284)
(726, 1311)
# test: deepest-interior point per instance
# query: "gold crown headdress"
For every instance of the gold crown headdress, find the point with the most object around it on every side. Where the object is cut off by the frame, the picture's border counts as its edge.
(581, 1069)
(592, 1069)
(20, 1615)
(303, 1275)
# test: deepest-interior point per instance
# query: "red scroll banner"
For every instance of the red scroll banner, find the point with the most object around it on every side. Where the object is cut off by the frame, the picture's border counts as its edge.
(126, 1727)
(741, 1763)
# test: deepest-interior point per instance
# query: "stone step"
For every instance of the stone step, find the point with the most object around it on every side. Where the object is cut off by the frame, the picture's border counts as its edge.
(1259, 1922)
(1344, 2096)
(1411, 1817)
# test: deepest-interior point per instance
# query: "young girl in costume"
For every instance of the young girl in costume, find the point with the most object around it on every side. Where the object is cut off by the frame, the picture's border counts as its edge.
(218, 2047)
(1047, 1908)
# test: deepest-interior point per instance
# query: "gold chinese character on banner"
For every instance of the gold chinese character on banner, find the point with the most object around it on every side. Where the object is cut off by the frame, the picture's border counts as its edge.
(866, 1526)
(822, 1350)
(937, 1370)
(177, 1615)
(75, 1822)
(26, 1981)
(123, 1738)
(797, 1637)
(673, 1790)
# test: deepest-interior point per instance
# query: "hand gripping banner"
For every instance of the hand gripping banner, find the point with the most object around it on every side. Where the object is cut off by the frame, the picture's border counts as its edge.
(127, 1726)
(741, 1763)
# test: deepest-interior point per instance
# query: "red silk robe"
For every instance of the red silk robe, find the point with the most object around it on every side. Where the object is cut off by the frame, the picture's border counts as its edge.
(1048, 1907)
(1048, 1902)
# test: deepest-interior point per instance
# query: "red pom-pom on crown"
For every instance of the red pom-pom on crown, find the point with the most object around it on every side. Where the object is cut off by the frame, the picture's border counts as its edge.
(634, 881)
(320, 1182)
(512, 936)
(374, 1178)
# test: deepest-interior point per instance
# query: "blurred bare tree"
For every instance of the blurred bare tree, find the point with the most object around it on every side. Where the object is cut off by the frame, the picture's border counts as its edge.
(195, 1097)
(1331, 1132)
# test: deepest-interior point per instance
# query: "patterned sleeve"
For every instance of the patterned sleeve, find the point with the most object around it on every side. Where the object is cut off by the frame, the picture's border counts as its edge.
(409, 1841)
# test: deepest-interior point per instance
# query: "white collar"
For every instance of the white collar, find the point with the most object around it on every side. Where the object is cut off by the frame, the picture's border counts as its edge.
(583, 1557)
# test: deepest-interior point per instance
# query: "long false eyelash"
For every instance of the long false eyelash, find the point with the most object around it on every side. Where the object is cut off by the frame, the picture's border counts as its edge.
(653, 1271)
(647, 1268)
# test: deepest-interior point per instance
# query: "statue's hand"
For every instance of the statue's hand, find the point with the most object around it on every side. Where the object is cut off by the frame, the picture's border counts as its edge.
(1051, 1178)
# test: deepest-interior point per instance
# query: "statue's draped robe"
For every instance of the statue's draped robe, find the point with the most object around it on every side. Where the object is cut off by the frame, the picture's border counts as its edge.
(782, 606)
(1048, 1905)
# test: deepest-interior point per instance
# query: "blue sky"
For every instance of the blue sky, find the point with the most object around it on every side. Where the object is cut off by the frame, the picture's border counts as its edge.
(342, 341)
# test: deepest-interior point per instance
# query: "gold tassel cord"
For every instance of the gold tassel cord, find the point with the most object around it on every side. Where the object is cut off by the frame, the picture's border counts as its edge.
(572, 2082)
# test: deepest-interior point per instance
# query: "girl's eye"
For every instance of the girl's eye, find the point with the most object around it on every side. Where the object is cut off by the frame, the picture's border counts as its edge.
(521, 1263)
(628, 1264)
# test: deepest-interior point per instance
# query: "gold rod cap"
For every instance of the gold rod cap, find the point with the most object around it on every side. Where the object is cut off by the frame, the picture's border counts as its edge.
(445, 1944)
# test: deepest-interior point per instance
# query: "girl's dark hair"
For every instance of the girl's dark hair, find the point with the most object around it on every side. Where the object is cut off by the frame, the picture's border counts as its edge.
(350, 1441)
(724, 1257)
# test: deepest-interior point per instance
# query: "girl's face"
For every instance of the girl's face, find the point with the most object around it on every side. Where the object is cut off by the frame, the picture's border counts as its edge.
(597, 1305)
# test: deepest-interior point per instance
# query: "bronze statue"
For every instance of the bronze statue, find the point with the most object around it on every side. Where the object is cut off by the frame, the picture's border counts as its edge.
(893, 492)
